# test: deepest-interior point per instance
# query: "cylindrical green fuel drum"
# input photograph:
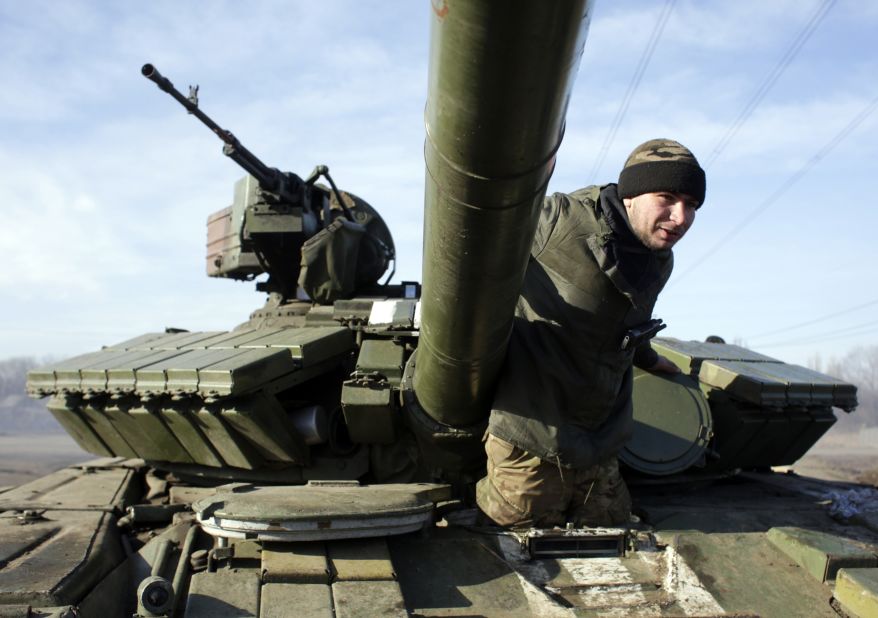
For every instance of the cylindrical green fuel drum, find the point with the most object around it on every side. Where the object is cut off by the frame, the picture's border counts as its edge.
(673, 424)
(499, 83)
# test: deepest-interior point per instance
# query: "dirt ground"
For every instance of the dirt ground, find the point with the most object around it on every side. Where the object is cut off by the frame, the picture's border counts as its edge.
(842, 456)
(24, 457)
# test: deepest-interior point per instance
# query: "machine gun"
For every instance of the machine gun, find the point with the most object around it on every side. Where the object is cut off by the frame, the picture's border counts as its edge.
(286, 185)
(345, 247)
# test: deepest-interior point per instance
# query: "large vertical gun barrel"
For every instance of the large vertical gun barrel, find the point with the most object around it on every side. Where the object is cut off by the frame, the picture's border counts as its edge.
(499, 83)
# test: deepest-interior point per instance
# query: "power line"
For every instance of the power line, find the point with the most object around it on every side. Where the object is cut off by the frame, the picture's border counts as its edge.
(814, 321)
(769, 81)
(632, 87)
(849, 331)
(771, 199)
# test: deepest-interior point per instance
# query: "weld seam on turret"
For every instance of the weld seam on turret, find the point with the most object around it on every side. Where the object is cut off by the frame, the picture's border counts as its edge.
(482, 359)
(480, 188)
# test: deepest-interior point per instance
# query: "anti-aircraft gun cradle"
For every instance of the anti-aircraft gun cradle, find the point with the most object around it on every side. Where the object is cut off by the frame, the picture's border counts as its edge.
(298, 464)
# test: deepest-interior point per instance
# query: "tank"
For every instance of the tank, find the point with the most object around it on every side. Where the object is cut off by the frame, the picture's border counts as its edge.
(319, 458)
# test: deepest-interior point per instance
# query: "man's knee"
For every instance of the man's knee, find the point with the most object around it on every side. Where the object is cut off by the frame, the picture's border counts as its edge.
(521, 490)
(601, 497)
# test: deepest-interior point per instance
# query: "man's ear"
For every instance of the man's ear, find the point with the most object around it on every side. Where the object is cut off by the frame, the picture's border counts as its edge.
(627, 202)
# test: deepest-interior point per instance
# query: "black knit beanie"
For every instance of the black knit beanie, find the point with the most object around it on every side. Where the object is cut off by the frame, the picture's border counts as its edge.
(662, 165)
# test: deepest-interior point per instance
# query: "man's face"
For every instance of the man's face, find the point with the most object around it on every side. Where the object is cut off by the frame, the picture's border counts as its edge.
(659, 220)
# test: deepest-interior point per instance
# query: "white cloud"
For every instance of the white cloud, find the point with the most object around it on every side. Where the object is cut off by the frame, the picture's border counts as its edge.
(56, 239)
(107, 182)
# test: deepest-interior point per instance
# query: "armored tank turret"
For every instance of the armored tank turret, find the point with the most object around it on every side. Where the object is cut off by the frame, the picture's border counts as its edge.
(318, 459)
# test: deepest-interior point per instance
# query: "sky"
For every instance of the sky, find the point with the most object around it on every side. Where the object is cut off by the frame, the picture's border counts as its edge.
(106, 182)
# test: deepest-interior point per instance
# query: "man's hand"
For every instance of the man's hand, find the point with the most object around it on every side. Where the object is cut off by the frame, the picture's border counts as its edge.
(663, 365)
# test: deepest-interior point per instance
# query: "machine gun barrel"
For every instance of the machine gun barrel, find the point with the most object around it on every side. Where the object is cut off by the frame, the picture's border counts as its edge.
(269, 178)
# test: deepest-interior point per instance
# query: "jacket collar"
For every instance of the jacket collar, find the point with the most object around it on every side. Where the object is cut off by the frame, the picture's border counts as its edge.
(637, 272)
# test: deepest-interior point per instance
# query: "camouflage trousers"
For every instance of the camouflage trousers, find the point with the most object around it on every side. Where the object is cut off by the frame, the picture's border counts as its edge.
(522, 491)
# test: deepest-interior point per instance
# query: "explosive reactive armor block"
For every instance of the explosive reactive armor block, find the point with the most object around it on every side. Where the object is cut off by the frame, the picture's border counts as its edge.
(752, 411)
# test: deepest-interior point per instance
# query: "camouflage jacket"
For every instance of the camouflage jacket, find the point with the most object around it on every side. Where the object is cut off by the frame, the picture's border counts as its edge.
(564, 393)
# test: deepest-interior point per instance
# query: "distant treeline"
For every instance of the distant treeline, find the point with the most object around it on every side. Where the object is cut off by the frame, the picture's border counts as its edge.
(19, 414)
(859, 367)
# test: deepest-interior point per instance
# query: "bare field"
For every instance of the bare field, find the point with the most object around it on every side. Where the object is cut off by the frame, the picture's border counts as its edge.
(24, 457)
(849, 457)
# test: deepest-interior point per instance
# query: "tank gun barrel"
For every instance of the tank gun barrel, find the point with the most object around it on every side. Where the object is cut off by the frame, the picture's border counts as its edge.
(286, 185)
(499, 81)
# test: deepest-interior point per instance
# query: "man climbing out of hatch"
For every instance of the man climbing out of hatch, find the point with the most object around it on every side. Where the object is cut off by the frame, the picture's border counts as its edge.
(562, 410)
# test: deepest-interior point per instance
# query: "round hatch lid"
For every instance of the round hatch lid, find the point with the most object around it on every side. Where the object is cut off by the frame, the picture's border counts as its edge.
(672, 424)
(318, 511)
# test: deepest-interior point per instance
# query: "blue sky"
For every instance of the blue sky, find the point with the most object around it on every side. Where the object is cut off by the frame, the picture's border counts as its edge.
(106, 183)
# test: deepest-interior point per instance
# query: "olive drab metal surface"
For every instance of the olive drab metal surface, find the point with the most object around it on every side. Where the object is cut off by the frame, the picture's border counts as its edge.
(191, 397)
(65, 539)
(764, 412)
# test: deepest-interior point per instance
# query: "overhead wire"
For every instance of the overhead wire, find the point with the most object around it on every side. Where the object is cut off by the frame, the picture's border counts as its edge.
(770, 79)
(763, 206)
(823, 318)
(841, 333)
(757, 97)
(765, 86)
(632, 87)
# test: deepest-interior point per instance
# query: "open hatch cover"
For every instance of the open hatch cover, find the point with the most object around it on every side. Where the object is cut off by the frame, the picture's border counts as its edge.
(320, 510)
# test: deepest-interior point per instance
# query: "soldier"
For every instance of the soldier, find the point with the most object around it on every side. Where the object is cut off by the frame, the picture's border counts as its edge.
(562, 409)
